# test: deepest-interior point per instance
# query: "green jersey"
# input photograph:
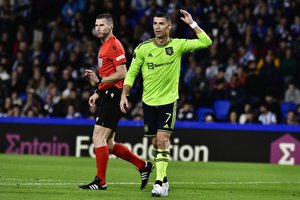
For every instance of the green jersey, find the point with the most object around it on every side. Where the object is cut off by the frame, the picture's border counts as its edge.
(160, 66)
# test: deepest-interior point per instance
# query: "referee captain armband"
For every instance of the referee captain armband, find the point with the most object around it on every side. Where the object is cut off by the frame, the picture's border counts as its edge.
(193, 25)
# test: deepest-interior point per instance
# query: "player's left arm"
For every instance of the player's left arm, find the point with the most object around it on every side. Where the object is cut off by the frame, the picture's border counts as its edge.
(203, 40)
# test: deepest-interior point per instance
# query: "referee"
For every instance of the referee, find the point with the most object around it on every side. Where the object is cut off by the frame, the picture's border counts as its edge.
(109, 79)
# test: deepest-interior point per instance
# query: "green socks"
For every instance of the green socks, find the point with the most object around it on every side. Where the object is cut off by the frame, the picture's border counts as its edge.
(161, 161)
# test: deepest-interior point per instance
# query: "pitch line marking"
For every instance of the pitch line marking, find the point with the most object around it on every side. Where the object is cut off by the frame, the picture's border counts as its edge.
(47, 182)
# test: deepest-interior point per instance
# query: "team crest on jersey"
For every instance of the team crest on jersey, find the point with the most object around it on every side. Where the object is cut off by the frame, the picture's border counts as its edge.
(100, 61)
(146, 128)
(169, 50)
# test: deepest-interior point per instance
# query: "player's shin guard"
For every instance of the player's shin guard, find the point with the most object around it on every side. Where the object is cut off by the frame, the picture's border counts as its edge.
(161, 162)
(154, 152)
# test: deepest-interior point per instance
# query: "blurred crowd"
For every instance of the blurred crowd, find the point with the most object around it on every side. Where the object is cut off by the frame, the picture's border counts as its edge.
(254, 61)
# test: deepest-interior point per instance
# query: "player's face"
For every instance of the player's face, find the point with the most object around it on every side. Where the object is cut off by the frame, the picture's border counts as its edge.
(102, 27)
(161, 27)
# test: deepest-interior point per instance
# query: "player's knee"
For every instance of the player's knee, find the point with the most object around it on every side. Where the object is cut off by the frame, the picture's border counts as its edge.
(163, 143)
(98, 138)
(110, 144)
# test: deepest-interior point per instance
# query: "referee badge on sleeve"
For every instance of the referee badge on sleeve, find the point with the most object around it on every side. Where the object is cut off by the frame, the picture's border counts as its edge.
(100, 61)
(169, 50)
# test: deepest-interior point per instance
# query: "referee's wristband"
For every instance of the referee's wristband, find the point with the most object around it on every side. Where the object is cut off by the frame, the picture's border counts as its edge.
(193, 25)
(99, 79)
(97, 91)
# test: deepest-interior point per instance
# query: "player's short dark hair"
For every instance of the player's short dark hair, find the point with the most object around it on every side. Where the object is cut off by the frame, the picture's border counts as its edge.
(106, 16)
(164, 15)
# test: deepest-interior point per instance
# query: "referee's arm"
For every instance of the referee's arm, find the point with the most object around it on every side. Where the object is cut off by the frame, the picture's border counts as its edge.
(119, 74)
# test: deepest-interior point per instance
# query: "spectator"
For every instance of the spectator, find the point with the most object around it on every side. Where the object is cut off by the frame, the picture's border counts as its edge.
(233, 117)
(297, 114)
(245, 56)
(69, 10)
(253, 83)
(16, 83)
(266, 116)
(247, 116)
(292, 94)
(212, 70)
(14, 111)
(236, 94)
(186, 112)
(72, 113)
(273, 105)
(37, 82)
(291, 118)
(231, 69)
(4, 76)
(33, 102)
(295, 27)
(209, 118)
(288, 67)
(270, 75)
(191, 68)
(219, 85)
(199, 88)
(16, 100)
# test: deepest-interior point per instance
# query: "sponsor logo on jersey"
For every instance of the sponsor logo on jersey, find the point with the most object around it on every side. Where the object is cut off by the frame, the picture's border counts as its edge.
(150, 65)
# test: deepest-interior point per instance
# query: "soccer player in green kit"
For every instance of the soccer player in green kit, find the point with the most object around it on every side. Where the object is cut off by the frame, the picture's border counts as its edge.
(159, 61)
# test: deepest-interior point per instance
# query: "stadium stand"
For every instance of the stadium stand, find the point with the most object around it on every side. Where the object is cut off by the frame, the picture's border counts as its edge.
(46, 45)
(202, 112)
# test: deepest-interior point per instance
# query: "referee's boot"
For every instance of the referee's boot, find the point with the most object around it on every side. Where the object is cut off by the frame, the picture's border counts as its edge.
(145, 174)
(94, 185)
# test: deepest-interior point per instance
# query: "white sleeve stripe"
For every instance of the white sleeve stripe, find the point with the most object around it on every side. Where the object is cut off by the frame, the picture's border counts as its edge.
(120, 57)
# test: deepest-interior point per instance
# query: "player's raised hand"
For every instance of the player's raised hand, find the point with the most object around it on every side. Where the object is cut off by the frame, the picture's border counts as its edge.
(187, 18)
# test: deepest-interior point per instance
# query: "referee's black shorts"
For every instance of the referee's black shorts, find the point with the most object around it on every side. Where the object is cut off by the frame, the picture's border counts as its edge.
(108, 108)
(159, 118)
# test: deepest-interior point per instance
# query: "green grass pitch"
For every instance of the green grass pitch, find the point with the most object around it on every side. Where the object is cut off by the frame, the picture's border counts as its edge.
(25, 177)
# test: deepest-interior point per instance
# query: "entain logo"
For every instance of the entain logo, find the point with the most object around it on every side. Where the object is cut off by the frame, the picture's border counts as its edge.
(144, 150)
(19, 146)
